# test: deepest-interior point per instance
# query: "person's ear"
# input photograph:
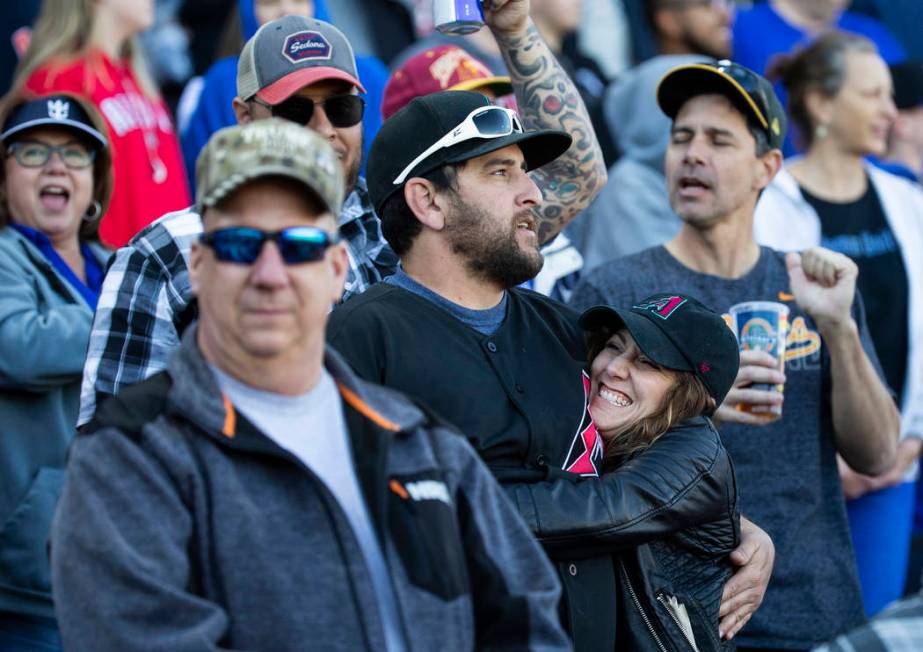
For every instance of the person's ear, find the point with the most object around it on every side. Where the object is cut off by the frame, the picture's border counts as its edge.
(195, 266)
(425, 203)
(819, 108)
(768, 165)
(338, 259)
(242, 111)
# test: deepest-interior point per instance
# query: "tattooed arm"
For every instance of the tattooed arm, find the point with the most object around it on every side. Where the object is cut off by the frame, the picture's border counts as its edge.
(548, 99)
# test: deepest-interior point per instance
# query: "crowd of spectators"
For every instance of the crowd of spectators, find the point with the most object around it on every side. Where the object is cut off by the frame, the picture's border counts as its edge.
(324, 329)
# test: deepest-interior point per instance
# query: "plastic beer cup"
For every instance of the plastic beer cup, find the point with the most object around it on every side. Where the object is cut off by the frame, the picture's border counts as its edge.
(762, 326)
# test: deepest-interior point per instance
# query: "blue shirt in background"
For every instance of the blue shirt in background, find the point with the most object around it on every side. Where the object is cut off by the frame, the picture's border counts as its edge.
(760, 34)
(93, 270)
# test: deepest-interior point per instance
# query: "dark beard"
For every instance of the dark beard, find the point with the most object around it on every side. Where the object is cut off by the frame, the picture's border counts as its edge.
(352, 175)
(492, 257)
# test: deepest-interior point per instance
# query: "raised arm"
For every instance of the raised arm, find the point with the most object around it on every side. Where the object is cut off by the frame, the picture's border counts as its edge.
(866, 422)
(548, 99)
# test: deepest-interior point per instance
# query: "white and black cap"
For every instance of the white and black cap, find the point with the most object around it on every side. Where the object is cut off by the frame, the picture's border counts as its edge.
(51, 111)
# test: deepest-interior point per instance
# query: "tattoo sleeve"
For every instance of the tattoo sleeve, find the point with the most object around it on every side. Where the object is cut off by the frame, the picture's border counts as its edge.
(548, 99)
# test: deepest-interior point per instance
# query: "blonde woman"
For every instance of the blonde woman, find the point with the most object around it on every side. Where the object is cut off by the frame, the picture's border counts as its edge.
(88, 47)
(841, 101)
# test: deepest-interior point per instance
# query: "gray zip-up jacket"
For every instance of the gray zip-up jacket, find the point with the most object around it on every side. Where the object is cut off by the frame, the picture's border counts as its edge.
(184, 528)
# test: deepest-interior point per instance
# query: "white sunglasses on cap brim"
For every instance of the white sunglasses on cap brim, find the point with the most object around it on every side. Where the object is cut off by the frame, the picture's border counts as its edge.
(483, 122)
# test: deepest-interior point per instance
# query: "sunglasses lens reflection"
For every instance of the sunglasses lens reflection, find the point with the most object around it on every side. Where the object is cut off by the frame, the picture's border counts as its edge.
(243, 245)
(493, 123)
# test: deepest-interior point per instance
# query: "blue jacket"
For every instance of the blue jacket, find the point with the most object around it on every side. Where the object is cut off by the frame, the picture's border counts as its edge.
(44, 331)
(215, 110)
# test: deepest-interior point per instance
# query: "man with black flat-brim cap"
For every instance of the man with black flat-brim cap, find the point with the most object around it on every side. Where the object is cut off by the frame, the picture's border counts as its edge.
(303, 70)
(449, 175)
(727, 131)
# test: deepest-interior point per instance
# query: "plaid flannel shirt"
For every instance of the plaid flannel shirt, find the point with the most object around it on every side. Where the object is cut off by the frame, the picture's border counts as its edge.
(145, 302)
(899, 628)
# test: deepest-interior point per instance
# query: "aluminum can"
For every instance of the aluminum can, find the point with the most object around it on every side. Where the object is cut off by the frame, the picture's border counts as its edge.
(458, 16)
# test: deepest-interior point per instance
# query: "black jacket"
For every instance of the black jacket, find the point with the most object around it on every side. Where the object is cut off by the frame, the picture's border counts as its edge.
(519, 396)
(671, 516)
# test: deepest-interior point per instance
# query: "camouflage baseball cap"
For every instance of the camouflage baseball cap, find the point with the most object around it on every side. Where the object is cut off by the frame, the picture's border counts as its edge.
(272, 147)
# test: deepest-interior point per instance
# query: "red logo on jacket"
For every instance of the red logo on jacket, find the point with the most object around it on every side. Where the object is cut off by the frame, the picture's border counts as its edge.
(586, 449)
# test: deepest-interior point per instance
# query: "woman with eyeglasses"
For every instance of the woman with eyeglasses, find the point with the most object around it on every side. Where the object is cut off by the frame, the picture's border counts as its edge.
(88, 47)
(667, 363)
(840, 100)
(55, 185)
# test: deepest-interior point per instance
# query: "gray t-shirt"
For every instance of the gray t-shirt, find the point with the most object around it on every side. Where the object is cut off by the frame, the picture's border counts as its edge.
(312, 427)
(786, 471)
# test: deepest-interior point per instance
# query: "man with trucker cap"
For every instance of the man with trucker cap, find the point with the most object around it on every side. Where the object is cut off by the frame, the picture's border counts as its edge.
(727, 131)
(256, 495)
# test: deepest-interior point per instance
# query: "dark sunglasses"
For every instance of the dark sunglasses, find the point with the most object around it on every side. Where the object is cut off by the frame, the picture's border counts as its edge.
(342, 110)
(750, 82)
(242, 245)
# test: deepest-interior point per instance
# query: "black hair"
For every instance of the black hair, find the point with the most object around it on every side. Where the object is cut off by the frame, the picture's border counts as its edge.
(398, 223)
(760, 136)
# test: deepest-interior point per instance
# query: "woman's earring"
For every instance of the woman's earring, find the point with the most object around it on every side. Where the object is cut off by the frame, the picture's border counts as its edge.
(821, 132)
(94, 212)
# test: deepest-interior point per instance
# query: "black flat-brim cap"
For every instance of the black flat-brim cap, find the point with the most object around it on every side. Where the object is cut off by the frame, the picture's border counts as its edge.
(691, 80)
(651, 340)
(413, 129)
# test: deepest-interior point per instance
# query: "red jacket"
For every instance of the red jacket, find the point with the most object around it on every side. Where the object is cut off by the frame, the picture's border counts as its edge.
(147, 163)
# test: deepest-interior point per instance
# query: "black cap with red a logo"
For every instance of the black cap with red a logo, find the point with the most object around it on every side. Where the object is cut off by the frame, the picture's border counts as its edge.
(677, 332)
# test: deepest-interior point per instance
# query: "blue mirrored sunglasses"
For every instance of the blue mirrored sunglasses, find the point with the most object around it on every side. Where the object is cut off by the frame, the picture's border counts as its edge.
(242, 245)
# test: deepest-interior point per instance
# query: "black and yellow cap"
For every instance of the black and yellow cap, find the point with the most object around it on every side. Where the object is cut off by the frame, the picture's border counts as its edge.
(751, 93)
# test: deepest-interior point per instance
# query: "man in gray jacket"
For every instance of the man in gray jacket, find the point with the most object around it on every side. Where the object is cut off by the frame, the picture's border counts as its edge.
(256, 495)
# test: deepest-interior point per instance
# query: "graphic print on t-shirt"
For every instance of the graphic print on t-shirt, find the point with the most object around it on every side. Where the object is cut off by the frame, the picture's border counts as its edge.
(802, 346)
(586, 450)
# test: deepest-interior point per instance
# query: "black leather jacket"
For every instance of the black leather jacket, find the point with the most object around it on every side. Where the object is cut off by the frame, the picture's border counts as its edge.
(668, 519)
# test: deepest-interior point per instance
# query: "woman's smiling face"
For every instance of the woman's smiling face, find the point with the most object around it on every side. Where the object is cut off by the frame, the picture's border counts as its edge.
(625, 385)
